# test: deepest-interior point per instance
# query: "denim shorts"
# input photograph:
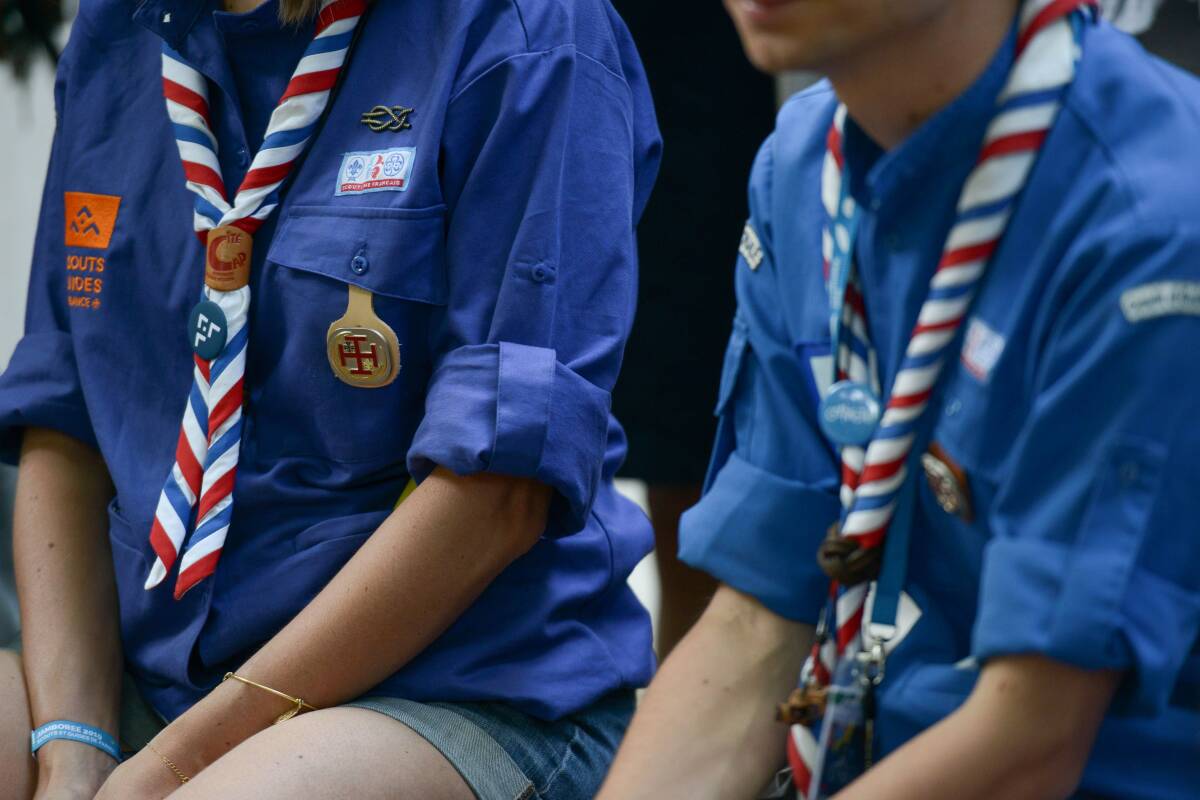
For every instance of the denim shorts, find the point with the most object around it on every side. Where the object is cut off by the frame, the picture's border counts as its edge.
(500, 752)
(506, 755)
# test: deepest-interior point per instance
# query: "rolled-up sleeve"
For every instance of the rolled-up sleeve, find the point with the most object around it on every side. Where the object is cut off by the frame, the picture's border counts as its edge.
(772, 487)
(548, 158)
(40, 386)
(1095, 552)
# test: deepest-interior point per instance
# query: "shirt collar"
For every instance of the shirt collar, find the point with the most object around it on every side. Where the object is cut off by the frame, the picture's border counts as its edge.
(946, 144)
(172, 20)
(189, 28)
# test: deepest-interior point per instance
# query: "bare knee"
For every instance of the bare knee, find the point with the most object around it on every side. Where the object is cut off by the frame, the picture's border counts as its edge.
(16, 767)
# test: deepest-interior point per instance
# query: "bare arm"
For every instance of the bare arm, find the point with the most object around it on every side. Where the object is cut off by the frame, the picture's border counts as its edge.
(706, 727)
(69, 621)
(1025, 733)
(423, 567)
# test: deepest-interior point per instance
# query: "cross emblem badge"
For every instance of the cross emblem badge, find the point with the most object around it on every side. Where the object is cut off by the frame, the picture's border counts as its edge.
(363, 350)
(361, 357)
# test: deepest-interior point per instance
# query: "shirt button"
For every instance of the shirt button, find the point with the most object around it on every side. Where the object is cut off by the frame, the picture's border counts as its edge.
(359, 264)
(243, 156)
(539, 274)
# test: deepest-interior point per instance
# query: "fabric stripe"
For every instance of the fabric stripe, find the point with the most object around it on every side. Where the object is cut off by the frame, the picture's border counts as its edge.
(185, 97)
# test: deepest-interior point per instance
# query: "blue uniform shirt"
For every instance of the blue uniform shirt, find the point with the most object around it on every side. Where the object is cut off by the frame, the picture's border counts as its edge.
(1073, 409)
(506, 267)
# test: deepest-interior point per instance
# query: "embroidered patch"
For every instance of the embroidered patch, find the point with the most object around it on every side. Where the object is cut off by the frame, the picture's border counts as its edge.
(1161, 299)
(751, 247)
(982, 349)
(376, 171)
(90, 219)
(85, 281)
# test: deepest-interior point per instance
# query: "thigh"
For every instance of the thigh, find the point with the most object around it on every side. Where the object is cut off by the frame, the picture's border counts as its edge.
(16, 767)
(329, 755)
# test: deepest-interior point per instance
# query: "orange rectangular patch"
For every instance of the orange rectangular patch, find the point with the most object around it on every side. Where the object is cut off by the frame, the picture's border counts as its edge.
(91, 219)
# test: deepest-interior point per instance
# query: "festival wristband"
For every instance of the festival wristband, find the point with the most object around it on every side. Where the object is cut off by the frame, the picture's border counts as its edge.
(75, 732)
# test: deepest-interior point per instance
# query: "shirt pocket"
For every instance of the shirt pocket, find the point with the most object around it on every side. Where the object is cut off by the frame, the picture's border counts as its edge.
(298, 406)
(973, 429)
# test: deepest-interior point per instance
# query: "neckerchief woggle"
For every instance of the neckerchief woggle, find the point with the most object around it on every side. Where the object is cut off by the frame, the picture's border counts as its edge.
(206, 453)
(880, 443)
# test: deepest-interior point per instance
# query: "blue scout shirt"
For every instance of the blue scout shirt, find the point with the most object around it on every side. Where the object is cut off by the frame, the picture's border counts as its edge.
(1073, 410)
(506, 267)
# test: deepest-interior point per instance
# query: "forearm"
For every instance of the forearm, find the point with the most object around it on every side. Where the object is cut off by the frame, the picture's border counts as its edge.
(1024, 734)
(68, 598)
(427, 563)
(706, 727)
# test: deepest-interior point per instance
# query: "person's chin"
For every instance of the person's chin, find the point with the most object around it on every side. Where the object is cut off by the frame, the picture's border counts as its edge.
(775, 54)
(774, 33)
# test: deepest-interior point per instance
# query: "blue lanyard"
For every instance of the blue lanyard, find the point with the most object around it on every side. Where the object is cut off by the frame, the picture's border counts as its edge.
(844, 233)
(890, 584)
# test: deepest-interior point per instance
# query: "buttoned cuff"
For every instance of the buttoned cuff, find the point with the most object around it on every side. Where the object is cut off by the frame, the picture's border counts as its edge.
(515, 410)
(40, 388)
(1090, 607)
(759, 533)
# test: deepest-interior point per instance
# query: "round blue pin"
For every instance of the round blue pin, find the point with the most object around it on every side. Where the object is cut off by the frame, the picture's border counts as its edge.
(850, 413)
(208, 330)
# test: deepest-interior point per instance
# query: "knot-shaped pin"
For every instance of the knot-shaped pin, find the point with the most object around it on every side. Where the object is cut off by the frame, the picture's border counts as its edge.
(846, 561)
(387, 118)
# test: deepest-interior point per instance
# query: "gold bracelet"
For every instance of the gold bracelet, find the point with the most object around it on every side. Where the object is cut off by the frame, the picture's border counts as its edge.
(285, 716)
(169, 764)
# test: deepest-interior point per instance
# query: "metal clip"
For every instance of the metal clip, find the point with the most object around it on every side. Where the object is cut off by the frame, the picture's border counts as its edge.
(873, 662)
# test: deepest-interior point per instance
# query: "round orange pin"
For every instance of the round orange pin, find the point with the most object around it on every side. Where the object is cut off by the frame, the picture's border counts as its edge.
(227, 258)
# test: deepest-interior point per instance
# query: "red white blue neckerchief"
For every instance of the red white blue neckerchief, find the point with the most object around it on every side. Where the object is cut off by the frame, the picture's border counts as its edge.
(873, 475)
(206, 453)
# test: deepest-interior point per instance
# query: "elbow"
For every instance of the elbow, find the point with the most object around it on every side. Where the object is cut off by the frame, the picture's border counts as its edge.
(523, 512)
(514, 510)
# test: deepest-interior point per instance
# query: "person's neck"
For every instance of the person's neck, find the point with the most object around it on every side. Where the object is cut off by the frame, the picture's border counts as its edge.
(894, 86)
(242, 6)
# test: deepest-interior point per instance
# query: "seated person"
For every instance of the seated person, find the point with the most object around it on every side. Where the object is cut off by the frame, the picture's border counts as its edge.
(958, 377)
(442, 210)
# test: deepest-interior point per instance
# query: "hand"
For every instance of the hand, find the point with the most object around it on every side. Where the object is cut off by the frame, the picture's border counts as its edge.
(70, 770)
(143, 777)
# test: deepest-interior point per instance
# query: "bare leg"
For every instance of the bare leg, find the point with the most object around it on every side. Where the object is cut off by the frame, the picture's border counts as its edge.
(685, 591)
(17, 770)
(331, 755)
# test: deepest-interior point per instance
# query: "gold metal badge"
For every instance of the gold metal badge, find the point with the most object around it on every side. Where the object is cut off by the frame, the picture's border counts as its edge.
(363, 350)
(382, 119)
